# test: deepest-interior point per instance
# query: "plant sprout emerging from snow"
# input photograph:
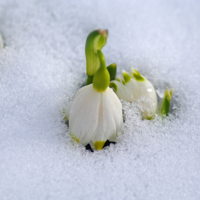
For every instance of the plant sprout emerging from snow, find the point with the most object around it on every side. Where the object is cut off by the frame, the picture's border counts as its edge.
(1, 42)
(95, 41)
(95, 115)
(164, 104)
(134, 87)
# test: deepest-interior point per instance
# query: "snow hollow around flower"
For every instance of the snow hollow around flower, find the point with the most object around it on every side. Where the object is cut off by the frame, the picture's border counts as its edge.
(42, 66)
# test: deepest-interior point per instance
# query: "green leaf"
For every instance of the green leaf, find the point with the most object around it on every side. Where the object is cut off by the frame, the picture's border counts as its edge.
(95, 41)
(137, 75)
(113, 85)
(126, 76)
(112, 69)
(164, 104)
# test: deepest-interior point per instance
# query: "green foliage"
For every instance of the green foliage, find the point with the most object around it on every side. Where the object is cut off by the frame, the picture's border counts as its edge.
(112, 69)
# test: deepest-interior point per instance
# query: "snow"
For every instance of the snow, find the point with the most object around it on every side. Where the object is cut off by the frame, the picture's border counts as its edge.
(42, 66)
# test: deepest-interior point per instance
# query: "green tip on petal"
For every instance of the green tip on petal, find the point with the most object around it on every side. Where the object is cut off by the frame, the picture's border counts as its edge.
(166, 101)
(120, 79)
(65, 118)
(113, 85)
(137, 75)
(95, 41)
(101, 79)
(112, 69)
(149, 118)
(98, 145)
(126, 76)
(74, 138)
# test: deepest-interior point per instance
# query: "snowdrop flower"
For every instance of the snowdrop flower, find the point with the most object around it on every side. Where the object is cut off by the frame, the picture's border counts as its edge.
(95, 115)
(136, 88)
(1, 42)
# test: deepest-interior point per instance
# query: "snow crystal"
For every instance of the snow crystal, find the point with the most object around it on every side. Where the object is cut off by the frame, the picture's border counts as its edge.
(42, 65)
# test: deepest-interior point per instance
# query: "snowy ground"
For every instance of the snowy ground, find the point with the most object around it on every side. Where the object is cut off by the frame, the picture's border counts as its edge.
(43, 65)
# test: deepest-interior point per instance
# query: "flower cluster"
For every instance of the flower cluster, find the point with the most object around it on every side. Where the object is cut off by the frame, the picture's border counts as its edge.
(95, 114)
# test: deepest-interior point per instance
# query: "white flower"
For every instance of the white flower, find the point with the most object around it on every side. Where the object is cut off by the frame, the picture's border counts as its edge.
(137, 88)
(1, 42)
(95, 116)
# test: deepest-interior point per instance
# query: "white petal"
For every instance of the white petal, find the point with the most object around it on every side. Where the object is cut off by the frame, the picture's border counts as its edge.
(132, 85)
(83, 114)
(147, 99)
(116, 110)
(123, 92)
(109, 117)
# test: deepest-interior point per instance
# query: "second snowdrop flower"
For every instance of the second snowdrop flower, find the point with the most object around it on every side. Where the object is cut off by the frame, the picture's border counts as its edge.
(136, 88)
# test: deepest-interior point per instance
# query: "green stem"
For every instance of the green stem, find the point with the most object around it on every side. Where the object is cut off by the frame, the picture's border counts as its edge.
(112, 69)
(89, 80)
(101, 78)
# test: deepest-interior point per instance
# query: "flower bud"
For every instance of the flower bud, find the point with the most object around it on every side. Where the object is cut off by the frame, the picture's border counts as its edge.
(164, 103)
(95, 41)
